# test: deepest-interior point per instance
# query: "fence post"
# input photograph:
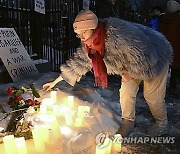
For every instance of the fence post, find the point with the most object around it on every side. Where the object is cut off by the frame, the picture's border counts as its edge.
(36, 30)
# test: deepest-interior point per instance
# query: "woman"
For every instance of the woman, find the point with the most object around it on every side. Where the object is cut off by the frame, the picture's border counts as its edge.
(137, 53)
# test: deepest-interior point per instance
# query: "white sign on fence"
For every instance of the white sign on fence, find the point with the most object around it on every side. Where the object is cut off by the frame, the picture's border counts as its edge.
(39, 6)
(86, 4)
(14, 56)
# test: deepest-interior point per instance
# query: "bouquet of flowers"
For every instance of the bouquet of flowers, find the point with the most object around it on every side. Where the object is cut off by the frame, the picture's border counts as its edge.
(18, 125)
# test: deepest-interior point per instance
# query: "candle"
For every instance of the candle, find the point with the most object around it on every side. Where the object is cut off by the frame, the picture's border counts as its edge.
(38, 139)
(81, 112)
(48, 102)
(54, 96)
(100, 150)
(57, 110)
(108, 147)
(71, 101)
(43, 109)
(63, 109)
(87, 109)
(10, 144)
(65, 130)
(78, 122)
(45, 133)
(117, 143)
(68, 118)
(55, 128)
(21, 145)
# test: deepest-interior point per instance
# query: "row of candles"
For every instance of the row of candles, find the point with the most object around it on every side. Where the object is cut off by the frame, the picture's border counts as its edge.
(42, 138)
(41, 134)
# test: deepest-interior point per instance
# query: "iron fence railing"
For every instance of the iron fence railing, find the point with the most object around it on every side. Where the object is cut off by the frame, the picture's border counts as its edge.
(48, 35)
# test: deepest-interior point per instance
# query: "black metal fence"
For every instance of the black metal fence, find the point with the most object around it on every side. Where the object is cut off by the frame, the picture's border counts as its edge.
(48, 35)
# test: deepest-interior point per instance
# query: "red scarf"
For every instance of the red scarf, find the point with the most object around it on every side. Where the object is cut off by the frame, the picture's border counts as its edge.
(97, 42)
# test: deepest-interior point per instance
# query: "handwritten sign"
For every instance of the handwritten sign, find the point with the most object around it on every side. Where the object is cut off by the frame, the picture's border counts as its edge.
(39, 6)
(14, 56)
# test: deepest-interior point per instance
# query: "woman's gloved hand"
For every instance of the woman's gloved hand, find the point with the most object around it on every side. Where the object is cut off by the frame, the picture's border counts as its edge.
(48, 86)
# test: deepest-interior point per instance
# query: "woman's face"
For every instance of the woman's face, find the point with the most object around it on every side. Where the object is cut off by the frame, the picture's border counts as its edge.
(84, 35)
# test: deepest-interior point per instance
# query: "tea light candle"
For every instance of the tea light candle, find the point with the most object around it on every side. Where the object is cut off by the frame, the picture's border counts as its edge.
(117, 143)
(78, 122)
(71, 101)
(38, 139)
(43, 109)
(21, 145)
(10, 144)
(54, 96)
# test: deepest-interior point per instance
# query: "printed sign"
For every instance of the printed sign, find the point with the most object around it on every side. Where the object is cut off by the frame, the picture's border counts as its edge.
(14, 56)
(86, 4)
(39, 6)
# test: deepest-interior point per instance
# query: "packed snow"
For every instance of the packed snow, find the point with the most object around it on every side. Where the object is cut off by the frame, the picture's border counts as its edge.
(105, 115)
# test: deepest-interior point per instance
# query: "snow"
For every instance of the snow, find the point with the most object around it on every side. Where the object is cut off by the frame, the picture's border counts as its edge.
(105, 115)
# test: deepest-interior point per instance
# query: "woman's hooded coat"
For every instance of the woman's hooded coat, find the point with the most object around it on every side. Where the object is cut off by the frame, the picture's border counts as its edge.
(129, 48)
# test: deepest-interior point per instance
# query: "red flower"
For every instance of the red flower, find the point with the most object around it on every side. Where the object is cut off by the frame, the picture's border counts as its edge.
(10, 90)
(37, 102)
(11, 100)
(19, 98)
(30, 102)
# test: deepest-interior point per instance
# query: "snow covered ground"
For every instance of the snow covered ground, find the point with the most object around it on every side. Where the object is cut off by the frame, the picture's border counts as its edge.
(109, 98)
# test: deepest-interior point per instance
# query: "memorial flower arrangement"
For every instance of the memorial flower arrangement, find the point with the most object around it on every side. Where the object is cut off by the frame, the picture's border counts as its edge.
(18, 125)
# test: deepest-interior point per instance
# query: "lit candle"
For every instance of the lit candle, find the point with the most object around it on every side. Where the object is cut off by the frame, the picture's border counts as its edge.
(117, 143)
(71, 101)
(48, 102)
(43, 109)
(57, 110)
(54, 96)
(38, 139)
(63, 109)
(100, 150)
(86, 109)
(81, 112)
(68, 118)
(78, 122)
(45, 133)
(55, 128)
(10, 144)
(66, 131)
(108, 147)
(21, 145)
